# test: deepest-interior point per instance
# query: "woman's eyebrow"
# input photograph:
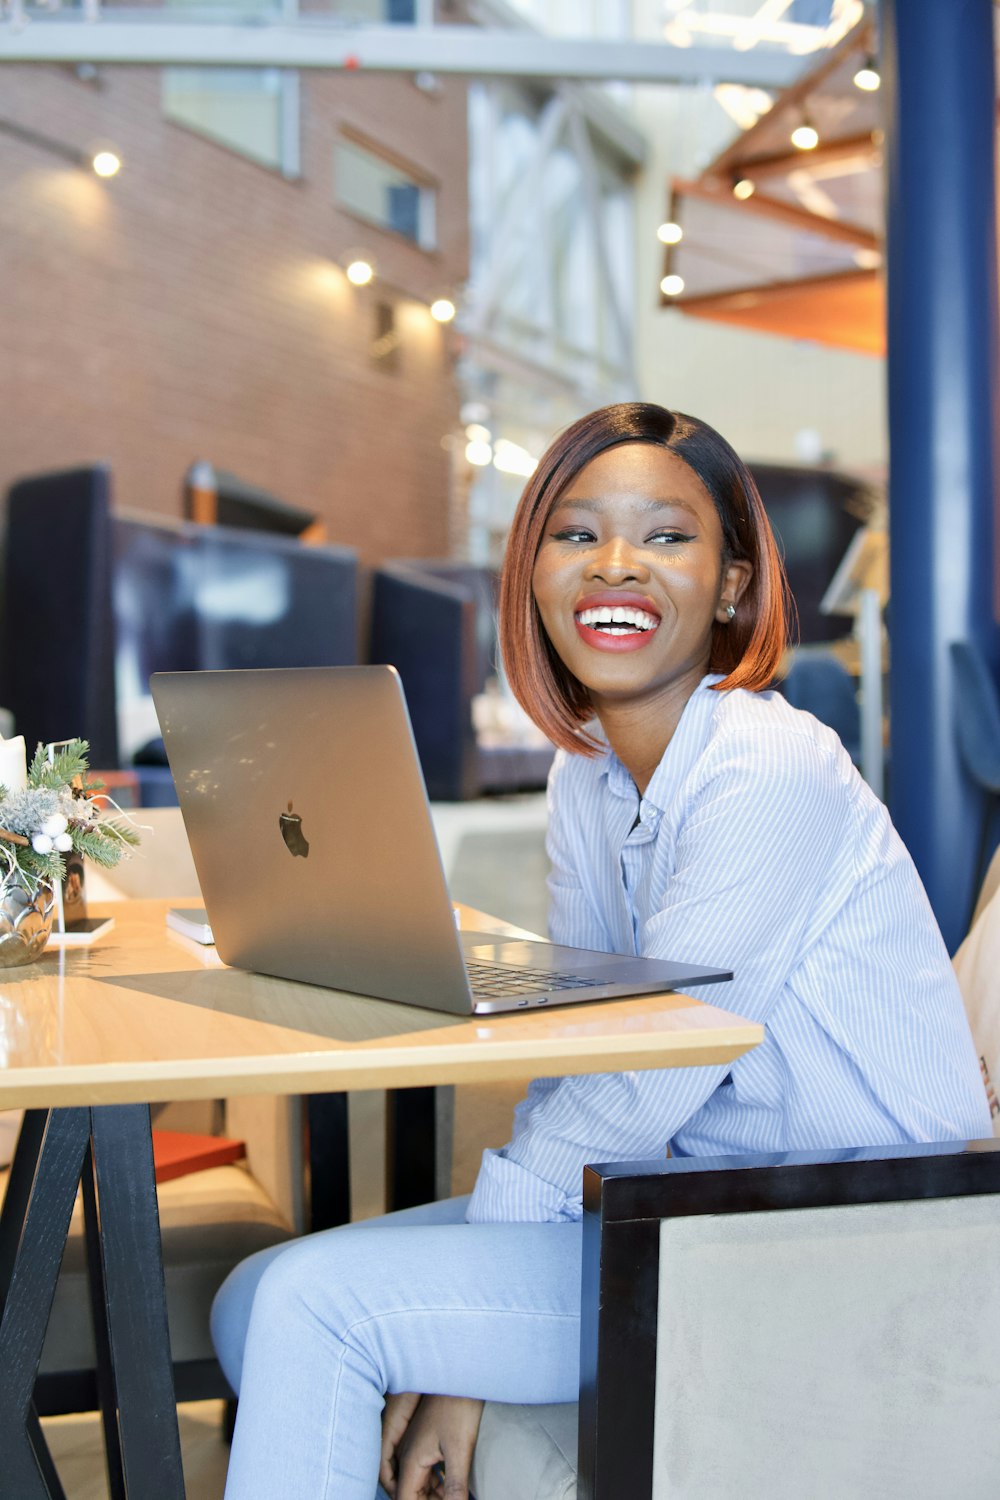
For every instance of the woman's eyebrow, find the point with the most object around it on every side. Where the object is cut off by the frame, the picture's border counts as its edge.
(571, 503)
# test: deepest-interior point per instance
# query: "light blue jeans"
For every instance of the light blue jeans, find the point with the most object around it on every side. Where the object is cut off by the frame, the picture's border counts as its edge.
(312, 1335)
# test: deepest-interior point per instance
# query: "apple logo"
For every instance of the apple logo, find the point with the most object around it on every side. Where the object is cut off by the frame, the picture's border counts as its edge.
(291, 831)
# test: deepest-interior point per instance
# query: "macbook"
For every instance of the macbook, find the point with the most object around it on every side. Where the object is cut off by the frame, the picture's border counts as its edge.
(311, 833)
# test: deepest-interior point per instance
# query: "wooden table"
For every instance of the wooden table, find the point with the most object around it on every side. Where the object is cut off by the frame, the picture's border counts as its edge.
(90, 1037)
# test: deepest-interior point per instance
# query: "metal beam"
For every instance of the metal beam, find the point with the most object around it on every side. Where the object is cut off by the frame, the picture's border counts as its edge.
(312, 42)
(779, 211)
(862, 147)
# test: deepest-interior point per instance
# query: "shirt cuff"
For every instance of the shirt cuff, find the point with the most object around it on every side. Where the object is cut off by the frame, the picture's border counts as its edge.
(506, 1193)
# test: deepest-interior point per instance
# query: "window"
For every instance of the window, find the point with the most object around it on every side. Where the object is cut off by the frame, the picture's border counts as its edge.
(254, 111)
(375, 189)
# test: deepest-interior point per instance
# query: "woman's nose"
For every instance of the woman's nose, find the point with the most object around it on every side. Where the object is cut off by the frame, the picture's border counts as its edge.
(616, 562)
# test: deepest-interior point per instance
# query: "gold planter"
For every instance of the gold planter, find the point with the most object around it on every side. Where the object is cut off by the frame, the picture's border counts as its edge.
(26, 913)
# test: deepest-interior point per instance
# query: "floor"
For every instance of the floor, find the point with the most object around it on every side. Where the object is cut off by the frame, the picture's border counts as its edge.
(494, 857)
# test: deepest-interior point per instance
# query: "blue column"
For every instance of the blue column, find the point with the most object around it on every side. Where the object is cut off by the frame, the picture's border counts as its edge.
(939, 112)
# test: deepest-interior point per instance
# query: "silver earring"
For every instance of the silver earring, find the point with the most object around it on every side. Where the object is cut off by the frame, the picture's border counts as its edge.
(730, 611)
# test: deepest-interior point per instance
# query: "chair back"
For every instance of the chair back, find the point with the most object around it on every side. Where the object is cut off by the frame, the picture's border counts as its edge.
(810, 1323)
(977, 714)
(823, 687)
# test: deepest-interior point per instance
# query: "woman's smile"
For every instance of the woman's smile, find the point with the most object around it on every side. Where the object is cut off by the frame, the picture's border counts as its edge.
(614, 620)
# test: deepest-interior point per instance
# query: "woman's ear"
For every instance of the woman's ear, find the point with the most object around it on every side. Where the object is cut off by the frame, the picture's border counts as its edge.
(736, 574)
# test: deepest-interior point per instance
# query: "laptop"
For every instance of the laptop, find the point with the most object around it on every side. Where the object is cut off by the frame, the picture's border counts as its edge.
(311, 832)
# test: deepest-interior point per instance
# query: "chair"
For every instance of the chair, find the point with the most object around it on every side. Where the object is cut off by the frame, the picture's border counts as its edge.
(977, 723)
(824, 687)
(125, 595)
(436, 623)
(772, 1327)
(210, 1221)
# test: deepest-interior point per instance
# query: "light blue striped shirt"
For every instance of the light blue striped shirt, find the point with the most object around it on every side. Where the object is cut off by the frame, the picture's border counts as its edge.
(759, 849)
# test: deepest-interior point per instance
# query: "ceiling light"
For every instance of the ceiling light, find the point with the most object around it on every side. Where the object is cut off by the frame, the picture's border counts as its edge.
(868, 77)
(360, 272)
(511, 458)
(805, 137)
(672, 286)
(477, 433)
(670, 234)
(478, 453)
(744, 188)
(442, 309)
(106, 163)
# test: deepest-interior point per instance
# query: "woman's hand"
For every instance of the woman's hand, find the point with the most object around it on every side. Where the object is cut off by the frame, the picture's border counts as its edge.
(442, 1431)
(396, 1417)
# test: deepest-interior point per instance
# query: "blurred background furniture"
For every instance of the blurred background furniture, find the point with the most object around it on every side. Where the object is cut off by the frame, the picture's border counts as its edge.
(822, 686)
(772, 1327)
(436, 623)
(215, 497)
(124, 595)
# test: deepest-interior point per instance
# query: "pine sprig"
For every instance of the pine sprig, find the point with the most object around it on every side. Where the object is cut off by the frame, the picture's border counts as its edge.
(98, 846)
(68, 761)
(48, 867)
(119, 831)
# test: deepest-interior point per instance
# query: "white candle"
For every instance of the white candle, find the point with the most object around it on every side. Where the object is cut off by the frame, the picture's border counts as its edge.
(13, 764)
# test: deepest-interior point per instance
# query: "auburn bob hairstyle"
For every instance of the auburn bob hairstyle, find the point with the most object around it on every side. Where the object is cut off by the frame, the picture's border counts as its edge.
(746, 651)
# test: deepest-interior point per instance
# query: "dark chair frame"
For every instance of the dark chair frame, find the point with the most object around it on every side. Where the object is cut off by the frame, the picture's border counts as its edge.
(623, 1208)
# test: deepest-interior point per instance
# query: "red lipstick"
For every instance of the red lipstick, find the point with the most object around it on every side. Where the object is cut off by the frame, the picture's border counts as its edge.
(603, 635)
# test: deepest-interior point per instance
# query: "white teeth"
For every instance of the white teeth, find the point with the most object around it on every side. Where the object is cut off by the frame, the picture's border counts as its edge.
(621, 615)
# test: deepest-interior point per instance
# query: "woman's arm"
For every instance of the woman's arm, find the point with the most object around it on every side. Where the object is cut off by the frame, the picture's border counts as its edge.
(751, 861)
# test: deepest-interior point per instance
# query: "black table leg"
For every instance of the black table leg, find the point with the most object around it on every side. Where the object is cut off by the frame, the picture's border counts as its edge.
(329, 1195)
(411, 1147)
(33, 1229)
(107, 1393)
(128, 1299)
(135, 1301)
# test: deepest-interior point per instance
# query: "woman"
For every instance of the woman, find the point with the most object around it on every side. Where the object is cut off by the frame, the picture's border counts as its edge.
(694, 816)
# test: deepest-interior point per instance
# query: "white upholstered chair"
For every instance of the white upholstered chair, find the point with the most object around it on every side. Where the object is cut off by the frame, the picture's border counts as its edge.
(808, 1324)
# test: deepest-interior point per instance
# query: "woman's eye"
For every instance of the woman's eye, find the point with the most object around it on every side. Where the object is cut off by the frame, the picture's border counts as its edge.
(670, 536)
(573, 534)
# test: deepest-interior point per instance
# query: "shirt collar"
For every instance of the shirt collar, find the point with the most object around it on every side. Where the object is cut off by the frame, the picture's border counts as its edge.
(688, 741)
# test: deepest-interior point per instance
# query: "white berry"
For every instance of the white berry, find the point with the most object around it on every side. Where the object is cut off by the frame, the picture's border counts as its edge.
(55, 825)
(63, 842)
(41, 843)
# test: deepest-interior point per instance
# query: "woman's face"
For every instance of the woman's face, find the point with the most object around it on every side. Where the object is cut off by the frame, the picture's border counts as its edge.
(629, 577)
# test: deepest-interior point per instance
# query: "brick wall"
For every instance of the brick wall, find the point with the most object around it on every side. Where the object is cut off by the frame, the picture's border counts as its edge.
(192, 307)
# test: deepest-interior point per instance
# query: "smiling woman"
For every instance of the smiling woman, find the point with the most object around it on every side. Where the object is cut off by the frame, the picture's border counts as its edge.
(693, 815)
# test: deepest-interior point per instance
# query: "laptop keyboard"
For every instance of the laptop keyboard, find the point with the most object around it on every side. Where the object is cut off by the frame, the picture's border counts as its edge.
(493, 981)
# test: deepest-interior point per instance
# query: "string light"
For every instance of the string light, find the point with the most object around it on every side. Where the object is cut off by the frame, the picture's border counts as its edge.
(672, 286)
(670, 234)
(442, 309)
(868, 78)
(805, 137)
(360, 272)
(106, 164)
(744, 188)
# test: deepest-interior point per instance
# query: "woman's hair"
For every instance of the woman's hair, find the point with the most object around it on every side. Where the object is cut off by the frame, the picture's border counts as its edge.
(746, 651)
